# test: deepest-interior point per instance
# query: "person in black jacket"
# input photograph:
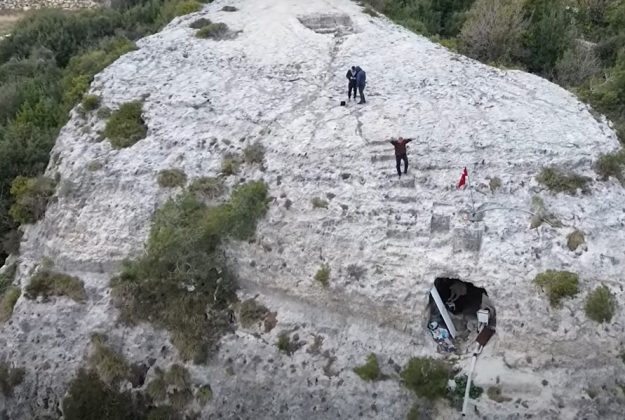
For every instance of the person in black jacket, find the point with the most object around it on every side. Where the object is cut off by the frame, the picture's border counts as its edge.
(401, 154)
(351, 76)
(361, 82)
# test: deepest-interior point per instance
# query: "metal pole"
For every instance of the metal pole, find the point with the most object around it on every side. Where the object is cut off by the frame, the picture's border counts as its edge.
(465, 403)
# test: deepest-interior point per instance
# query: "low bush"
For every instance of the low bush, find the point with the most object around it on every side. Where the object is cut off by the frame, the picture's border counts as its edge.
(200, 23)
(229, 9)
(600, 305)
(187, 6)
(182, 283)
(612, 165)
(46, 283)
(8, 299)
(110, 366)
(494, 184)
(287, 344)
(370, 371)
(558, 285)
(251, 312)
(323, 275)
(207, 188)
(204, 395)
(319, 203)
(173, 386)
(215, 31)
(88, 397)
(30, 198)
(171, 178)
(254, 153)
(456, 396)
(90, 102)
(230, 165)
(558, 180)
(10, 378)
(575, 239)
(125, 127)
(370, 11)
(426, 377)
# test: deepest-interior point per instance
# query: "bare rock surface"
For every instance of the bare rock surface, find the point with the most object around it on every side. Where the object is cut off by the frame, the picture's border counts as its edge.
(279, 82)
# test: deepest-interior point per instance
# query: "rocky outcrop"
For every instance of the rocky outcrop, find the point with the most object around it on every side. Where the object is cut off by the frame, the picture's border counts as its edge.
(280, 82)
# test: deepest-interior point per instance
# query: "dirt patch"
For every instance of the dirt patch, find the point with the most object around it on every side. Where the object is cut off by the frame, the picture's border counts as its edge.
(8, 20)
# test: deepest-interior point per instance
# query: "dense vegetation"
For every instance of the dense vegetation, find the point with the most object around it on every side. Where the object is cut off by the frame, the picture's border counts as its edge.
(183, 271)
(46, 67)
(579, 44)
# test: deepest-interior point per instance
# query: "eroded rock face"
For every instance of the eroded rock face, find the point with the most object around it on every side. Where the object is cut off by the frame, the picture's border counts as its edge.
(280, 83)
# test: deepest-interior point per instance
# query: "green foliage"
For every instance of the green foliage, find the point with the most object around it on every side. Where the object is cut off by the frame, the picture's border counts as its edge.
(199, 23)
(10, 378)
(7, 302)
(319, 203)
(207, 188)
(30, 198)
(46, 283)
(230, 165)
(494, 184)
(254, 153)
(370, 371)
(558, 285)
(229, 9)
(90, 102)
(575, 239)
(125, 127)
(204, 395)
(89, 397)
(183, 271)
(612, 164)
(213, 31)
(187, 6)
(600, 305)
(251, 312)
(287, 345)
(110, 366)
(323, 275)
(558, 180)
(173, 386)
(427, 377)
(171, 178)
(456, 396)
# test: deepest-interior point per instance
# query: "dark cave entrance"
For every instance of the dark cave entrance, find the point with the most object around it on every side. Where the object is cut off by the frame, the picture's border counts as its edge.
(457, 311)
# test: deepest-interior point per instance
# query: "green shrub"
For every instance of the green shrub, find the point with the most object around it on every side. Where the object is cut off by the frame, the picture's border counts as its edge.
(207, 188)
(575, 239)
(30, 197)
(494, 184)
(10, 378)
(187, 6)
(251, 312)
(229, 9)
(323, 275)
(557, 180)
(171, 178)
(183, 271)
(426, 377)
(204, 395)
(88, 397)
(319, 203)
(558, 285)
(8, 299)
(600, 305)
(287, 345)
(370, 11)
(254, 153)
(90, 102)
(213, 31)
(200, 23)
(125, 127)
(230, 165)
(370, 371)
(456, 397)
(46, 283)
(612, 164)
(110, 366)
(173, 386)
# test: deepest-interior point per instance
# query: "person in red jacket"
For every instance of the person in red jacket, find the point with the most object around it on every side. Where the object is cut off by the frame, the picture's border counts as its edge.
(400, 154)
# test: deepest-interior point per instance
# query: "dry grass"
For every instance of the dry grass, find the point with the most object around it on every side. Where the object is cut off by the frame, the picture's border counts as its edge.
(8, 20)
(48, 283)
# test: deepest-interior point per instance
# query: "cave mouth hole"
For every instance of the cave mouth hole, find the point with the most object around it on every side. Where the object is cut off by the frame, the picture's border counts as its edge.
(465, 306)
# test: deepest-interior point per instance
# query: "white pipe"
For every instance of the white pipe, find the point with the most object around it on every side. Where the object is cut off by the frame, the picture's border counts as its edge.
(443, 311)
(465, 403)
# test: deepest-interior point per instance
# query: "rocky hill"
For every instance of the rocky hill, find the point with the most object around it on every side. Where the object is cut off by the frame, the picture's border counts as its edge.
(278, 80)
